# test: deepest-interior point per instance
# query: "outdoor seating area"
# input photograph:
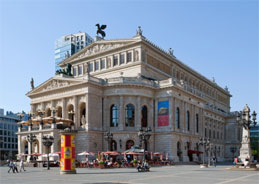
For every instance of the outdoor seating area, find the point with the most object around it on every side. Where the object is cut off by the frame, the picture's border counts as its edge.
(112, 159)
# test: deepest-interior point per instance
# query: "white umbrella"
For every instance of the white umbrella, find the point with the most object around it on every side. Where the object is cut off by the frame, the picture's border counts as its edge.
(51, 155)
(84, 153)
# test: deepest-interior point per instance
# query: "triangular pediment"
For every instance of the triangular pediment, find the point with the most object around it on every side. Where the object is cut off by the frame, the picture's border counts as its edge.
(99, 47)
(53, 83)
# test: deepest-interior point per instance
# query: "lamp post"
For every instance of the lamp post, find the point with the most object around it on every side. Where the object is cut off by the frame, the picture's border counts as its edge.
(108, 137)
(31, 138)
(144, 136)
(205, 142)
(47, 141)
(244, 119)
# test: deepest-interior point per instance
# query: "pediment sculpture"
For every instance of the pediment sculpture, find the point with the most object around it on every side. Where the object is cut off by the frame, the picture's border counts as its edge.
(56, 84)
(99, 48)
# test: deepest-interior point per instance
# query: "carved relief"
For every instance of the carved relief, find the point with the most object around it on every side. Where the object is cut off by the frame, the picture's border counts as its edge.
(136, 56)
(99, 48)
(56, 84)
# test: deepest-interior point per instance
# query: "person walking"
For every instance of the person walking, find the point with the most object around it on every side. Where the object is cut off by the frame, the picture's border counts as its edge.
(15, 167)
(10, 164)
(22, 166)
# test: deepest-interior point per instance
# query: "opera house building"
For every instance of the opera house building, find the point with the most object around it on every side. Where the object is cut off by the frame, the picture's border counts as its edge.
(122, 85)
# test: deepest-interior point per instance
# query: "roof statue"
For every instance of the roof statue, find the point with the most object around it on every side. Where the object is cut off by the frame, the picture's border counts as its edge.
(171, 51)
(66, 71)
(32, 84)
(100, 30)
(139, 31)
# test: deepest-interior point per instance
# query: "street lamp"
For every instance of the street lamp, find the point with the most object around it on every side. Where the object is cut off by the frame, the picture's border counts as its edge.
(47, 141)
(108, 137)
(31, 138)
(144, 136)
(243, 118)
(205, 142)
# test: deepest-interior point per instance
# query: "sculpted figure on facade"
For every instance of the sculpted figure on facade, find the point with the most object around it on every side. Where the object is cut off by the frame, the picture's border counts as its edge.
(32, 84)
(83, 121)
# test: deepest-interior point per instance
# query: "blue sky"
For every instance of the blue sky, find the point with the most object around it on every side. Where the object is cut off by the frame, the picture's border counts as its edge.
(216, 38)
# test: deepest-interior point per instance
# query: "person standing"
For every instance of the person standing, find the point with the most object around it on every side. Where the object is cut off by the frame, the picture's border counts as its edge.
(22, 166)
(10, 164)
(214, 161)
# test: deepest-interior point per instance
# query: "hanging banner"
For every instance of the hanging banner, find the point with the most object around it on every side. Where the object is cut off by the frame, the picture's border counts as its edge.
(163, 113)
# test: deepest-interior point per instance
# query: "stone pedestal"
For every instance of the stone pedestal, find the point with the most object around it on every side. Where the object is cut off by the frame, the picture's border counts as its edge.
(245, 150)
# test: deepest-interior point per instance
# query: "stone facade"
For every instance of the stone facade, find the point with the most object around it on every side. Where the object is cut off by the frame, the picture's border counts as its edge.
(118, 85)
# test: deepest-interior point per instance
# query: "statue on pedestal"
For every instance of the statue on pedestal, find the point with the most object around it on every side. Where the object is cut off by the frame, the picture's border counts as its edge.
(32, 84)
(83, 121)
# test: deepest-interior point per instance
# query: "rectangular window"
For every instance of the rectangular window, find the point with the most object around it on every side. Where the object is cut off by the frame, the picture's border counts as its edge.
(96, 65)
(82, 43)
(122, 59)
(80, 70)
(9, 139)
(90, 67)
(77, 38)
(77, 47)
(82, 47)
(74, 71)
(129, 57)
(102, 64)
(81, 37)
(115, 60)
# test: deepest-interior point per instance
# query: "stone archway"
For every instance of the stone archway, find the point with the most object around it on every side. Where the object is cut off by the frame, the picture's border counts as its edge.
(35, 146)
(71, 112)
(59, 112)
(82, 114)
(25, 148)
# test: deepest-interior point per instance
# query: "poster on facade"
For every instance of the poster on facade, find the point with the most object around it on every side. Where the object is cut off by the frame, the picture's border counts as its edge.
(163, 113)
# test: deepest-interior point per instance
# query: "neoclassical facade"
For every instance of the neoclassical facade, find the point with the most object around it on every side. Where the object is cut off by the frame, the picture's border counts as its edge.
(122, 85)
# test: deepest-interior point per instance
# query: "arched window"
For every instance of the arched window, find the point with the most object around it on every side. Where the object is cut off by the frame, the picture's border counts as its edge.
(114, 116)
(48, 112)
(144, 116)
(59, 112)
(197, 123)
(129, 115)
(177, 117)
(113, 145)
(188, 120)
(129, 143)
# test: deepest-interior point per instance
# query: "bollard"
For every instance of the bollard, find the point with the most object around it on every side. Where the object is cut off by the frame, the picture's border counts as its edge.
(67, 162)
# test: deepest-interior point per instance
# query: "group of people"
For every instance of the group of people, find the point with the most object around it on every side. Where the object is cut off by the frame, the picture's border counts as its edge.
(12, 164)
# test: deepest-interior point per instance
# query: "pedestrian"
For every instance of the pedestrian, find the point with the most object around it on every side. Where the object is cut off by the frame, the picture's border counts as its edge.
(22, 166)
(15, 167)
(10, 164)
(214, 160)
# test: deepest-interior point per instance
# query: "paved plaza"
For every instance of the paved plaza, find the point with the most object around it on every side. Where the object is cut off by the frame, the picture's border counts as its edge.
(167, 174)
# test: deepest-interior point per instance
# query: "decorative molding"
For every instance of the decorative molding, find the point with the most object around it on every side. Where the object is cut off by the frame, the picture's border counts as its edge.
(99, 48)
(56, 84)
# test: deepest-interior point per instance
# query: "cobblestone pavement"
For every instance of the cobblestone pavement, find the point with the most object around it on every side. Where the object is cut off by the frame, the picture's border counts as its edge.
(168, 174)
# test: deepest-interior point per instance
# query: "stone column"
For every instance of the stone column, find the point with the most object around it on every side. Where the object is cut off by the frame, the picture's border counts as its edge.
(64, 115)
(170, 112)
(121, 114)
(76, 119)
(19, 144)
(138, 113)
(86, 111)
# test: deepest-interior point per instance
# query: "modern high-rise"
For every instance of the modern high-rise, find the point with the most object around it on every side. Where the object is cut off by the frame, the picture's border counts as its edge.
(67, 45)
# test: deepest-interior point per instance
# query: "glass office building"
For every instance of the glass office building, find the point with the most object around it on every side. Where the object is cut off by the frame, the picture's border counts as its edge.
(68, 45)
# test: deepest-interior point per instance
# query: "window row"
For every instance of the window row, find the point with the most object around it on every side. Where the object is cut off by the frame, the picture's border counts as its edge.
(187, 119)
(129, 116)
(213, 134)
(9, 146)
(106, 63)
